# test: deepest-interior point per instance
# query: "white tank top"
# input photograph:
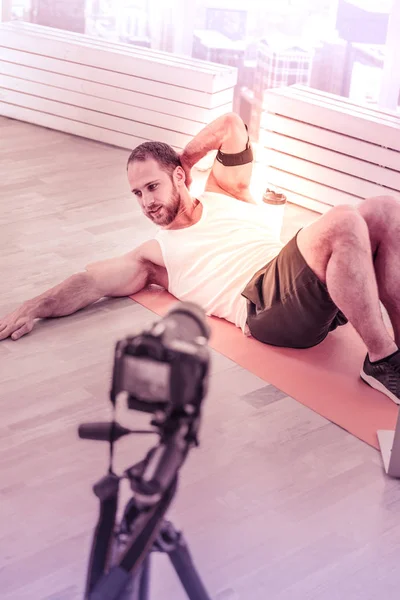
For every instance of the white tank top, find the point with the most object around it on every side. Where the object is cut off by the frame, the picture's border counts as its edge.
(211, 262)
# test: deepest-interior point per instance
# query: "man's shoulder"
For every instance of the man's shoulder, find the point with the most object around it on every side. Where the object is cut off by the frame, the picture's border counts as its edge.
(150, 251)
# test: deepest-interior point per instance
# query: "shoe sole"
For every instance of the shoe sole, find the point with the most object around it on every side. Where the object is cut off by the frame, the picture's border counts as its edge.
(374, 383)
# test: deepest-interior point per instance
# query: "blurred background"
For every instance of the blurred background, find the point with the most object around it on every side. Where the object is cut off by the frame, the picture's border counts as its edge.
(338, 46)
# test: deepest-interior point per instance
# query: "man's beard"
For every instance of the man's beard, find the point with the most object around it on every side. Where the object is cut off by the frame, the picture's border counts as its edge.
(168, 211)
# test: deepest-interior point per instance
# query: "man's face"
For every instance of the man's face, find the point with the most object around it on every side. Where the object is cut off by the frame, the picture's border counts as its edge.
(155, 191)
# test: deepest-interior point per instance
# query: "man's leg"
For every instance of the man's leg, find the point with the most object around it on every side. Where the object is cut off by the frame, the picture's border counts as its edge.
(382, 215)
(338, 249)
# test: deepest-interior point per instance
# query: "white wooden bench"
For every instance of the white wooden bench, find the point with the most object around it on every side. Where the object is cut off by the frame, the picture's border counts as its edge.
(114, 93)
(323, 150)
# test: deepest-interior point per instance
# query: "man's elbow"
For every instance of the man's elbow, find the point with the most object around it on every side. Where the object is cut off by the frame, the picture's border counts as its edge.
(234, 122)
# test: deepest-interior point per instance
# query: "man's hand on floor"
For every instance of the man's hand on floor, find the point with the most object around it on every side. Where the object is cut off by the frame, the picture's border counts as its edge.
(16, 324)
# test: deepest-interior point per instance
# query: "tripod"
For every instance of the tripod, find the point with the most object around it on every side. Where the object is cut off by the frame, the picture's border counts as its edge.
(171, 542)
(140, 532)
(164, 372)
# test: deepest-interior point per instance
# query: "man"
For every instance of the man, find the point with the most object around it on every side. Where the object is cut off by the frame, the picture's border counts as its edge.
(218, 251)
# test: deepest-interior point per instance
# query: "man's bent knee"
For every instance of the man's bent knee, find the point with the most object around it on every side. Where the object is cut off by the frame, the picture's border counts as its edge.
(382, 216)
(345, 225)
(339, 224)
(379, 209)
(339, 227)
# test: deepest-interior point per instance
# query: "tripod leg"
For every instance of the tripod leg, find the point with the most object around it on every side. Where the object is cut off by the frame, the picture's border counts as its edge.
(139, 586)
(185, 569)
(144, 585)
(176, 548)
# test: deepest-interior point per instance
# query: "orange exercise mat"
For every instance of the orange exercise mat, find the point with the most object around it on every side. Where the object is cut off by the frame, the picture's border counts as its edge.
(324, 378)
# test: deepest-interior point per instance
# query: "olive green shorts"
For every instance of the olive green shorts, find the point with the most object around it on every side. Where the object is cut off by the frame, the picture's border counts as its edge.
(288, 305)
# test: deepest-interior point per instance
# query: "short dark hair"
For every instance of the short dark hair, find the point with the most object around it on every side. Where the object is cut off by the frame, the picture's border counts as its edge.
(165, 155)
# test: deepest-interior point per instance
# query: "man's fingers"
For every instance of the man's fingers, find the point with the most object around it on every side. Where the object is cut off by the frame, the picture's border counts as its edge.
(5, 332)
(15, 329)
(26, 328)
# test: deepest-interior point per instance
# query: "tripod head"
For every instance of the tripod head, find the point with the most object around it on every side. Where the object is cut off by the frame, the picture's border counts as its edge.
(162, 371)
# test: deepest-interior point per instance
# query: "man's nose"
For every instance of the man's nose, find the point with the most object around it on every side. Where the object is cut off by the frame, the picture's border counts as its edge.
(148, 199)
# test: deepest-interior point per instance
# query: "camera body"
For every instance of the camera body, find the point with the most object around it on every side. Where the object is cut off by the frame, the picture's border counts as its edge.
(164, 367)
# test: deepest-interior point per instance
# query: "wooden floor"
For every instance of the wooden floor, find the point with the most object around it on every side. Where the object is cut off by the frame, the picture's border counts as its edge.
(277, 503)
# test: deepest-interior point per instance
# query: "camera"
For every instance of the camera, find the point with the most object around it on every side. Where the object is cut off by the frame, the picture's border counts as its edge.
(165, 367)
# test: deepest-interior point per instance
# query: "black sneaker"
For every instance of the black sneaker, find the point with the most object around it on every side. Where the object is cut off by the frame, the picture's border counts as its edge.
(384, 375)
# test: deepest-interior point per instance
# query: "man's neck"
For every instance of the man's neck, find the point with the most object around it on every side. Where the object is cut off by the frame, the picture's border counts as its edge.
(189, 213)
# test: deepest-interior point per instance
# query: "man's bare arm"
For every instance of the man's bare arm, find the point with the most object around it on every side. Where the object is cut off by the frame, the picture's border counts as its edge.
(208, 139)
(228, 134)
(121, 276)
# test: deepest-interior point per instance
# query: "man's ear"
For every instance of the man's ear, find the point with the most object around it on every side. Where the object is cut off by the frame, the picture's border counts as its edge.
(179, 176)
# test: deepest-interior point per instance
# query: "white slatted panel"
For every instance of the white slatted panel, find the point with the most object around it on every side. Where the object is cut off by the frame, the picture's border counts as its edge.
(324, 150)
(121, 93)
(337, 161)
(324, 138)
(101, 105)
(186, 99)
(147, 53)
(90, 132)
(123, 58)
(92, 117)
(326, 175)
(338, 117)
(362, 109)
(307, 188)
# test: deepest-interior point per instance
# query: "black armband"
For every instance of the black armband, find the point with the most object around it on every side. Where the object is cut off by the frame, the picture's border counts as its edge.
(235, 160)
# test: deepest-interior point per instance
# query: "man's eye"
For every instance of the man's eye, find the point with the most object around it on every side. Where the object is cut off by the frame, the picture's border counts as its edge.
(152, 187)
(138, 194)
